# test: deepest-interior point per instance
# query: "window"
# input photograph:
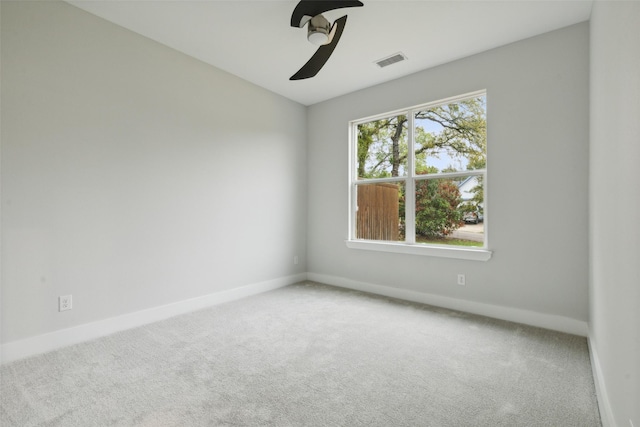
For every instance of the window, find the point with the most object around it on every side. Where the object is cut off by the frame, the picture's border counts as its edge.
(418, 180)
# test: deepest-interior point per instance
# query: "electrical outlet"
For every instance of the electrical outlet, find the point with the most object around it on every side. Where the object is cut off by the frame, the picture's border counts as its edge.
(461, 280)
(65, 303)
(295, 260)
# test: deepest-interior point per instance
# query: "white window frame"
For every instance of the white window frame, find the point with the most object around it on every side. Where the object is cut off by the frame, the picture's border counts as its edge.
(409, 246)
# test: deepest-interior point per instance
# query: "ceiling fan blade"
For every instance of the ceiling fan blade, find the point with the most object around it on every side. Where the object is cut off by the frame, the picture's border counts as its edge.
(323, 53)
(307, 9)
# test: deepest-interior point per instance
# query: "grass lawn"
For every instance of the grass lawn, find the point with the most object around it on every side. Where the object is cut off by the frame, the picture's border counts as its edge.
(452, 242)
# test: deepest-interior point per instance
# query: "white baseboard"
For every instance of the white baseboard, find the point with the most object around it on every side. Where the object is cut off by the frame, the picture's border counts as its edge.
(27, 347)
(541, 320)
(606, 414)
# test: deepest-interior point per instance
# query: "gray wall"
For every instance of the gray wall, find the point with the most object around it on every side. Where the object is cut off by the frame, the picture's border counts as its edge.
(615, 206)
(134, 176)
(537, 103)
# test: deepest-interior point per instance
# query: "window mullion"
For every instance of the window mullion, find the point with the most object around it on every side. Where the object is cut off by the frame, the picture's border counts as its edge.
(410, 184)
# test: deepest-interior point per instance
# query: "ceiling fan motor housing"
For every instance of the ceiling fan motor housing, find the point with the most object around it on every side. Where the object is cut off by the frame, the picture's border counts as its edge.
(318, 30)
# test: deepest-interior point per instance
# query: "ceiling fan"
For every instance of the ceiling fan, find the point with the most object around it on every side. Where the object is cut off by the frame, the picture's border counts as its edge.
(319, 31)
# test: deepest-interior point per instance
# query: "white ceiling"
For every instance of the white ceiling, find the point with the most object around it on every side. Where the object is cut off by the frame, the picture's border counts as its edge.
(253, 39)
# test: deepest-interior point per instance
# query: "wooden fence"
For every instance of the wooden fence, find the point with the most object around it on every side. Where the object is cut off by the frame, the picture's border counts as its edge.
(378, 217)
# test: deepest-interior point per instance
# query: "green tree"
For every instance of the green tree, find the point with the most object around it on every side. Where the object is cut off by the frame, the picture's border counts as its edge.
(382, 143)
(381, 151)
(464, 129)
(437, 213)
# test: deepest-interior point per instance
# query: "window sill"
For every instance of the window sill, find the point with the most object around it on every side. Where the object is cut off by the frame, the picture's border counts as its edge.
(418, 249)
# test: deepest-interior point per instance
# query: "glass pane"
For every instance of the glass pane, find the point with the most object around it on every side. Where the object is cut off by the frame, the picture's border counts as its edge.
(382, 148)
(380, 214)
(451, 137)
(447, 213)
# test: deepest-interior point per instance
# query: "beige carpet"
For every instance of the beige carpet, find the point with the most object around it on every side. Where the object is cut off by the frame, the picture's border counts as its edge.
(310, 355)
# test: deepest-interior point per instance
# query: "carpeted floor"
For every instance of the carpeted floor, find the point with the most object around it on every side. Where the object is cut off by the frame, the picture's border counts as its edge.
(310, 355)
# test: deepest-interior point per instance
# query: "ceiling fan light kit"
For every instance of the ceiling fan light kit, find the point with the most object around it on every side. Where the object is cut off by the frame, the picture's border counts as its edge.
(319, 31)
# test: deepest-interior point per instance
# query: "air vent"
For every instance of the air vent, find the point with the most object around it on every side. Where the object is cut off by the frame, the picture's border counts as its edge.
(396, 57)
